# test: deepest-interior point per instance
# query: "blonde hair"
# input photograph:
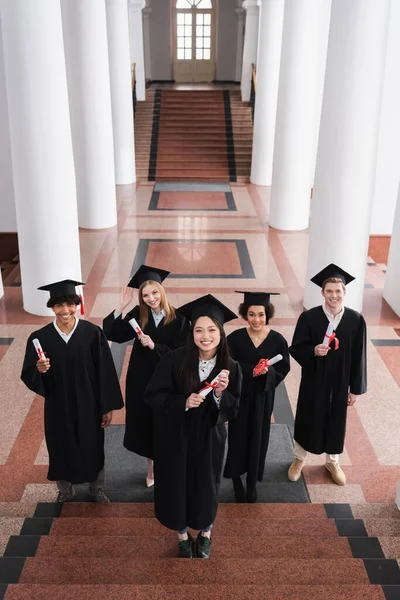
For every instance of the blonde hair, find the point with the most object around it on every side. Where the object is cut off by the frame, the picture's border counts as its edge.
(333, 280)
(144, 309)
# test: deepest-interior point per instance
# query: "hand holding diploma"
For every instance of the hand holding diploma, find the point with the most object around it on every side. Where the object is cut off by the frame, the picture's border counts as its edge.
(263, 364)
(145, 340)
(323, 349)
(43, 364)
(194, 401)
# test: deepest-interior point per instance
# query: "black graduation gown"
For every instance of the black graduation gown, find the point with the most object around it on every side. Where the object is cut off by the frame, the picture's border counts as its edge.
(320, 423)
(248, 434)
(188, 445)
(143, 361)
(80, 386)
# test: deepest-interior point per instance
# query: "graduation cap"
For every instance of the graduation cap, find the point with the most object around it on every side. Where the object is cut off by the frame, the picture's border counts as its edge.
(207, 306)
(66, 287)
(257, 298)
(146, 273)
(332, 271)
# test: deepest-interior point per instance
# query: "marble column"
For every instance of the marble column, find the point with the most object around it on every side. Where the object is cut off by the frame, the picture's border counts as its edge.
(269, 58)
(121, 91)
(303, 58)
(41, 146)
(146, 42)
(86, 56)
(249, 47)
(348, 140)
(136, 45)
(391, 292)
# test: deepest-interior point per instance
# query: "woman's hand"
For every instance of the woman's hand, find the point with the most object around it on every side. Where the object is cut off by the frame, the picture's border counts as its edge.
(263, 372)
(146, 341)
(223, 382)
(194, 401)
(125, 298)
(43, 365)
(106, 419)
(321, 350)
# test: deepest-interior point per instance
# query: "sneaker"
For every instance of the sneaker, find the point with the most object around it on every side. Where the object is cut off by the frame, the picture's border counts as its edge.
(203, 546)
(336, 473)
(295, 470)
(66, 496)
(98, 495)
(186, 548)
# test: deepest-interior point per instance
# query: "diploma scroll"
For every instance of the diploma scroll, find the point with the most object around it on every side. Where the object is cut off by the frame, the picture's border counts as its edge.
(209, 386)
(330, 336)
(135, 325)
(38, 349)
(266, 362)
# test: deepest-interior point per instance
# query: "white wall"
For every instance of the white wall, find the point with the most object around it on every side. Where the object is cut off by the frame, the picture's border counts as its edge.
(8, 218)
(388, 158)
(227, 39)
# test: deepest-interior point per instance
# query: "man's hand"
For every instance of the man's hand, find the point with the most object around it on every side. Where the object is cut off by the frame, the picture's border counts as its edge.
(106, 419)
(194, 401)
(351, 399)
(43, 365)
(146, 341)
(223, 382)
(321, 350)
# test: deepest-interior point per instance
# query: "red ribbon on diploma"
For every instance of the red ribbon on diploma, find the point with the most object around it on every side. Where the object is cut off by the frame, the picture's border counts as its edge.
(262, 363)
(41, 354)
(330, 339)
(209, 386)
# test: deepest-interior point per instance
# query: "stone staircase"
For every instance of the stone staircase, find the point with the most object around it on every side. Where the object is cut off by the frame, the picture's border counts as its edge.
(200, 136)
(260, 551)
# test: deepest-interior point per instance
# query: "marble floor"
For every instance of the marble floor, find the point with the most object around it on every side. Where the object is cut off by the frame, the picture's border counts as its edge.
(213, 242)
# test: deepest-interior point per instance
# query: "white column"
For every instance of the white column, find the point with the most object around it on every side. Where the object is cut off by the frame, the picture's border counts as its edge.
(346, 162)
(269, 58)
(391, 292)
(1, 286)
(146, 42)
(240, 39)
(41, 145)
(136, 44)
(304, 48)
(250, 46)
(85, 42)
(8, 217)
(388, 164)
(121, 90)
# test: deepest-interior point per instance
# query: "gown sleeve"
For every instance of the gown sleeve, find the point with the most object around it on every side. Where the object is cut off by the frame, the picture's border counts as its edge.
(230, 398)
(281, 368)
(178, 340)
(302, 349)
(358, 369)
(161, 393)
(31, 377)
(118, 329)
(110, 397)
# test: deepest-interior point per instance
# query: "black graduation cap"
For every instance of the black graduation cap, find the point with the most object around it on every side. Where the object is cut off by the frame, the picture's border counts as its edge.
(146, 273)
(332, 271)
(66, 287)
(207, 306)
(257, 298)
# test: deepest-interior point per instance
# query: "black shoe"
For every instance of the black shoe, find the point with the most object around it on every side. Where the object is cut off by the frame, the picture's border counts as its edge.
(186, 549)
(203, 546)
(240, 494)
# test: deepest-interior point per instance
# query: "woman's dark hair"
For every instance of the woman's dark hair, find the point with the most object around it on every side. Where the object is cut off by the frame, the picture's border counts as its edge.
(189, 369)
(72, 299)
(269, 311)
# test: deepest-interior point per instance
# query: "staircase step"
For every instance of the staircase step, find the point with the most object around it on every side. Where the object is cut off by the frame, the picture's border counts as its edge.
(161, 546)
(205, 592)
(227, 571)
(224, 526)
(17, 509)
(382, 527)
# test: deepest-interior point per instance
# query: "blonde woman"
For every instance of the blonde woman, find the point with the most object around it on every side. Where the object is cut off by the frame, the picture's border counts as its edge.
(162, 330)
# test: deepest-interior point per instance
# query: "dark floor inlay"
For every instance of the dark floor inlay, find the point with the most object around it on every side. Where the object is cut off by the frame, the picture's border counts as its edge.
(22, 545)
(351, 528)
(36, 526)
(6, 341)
(382, 571)
(11, 569)
(338, 511)
(362, 547)
(3, 589)
(392, 592)
(48, 509)
(386, 342)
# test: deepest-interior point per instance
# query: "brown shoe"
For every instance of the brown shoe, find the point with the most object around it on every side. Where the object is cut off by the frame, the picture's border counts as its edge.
(336, 473)
(295, 469)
